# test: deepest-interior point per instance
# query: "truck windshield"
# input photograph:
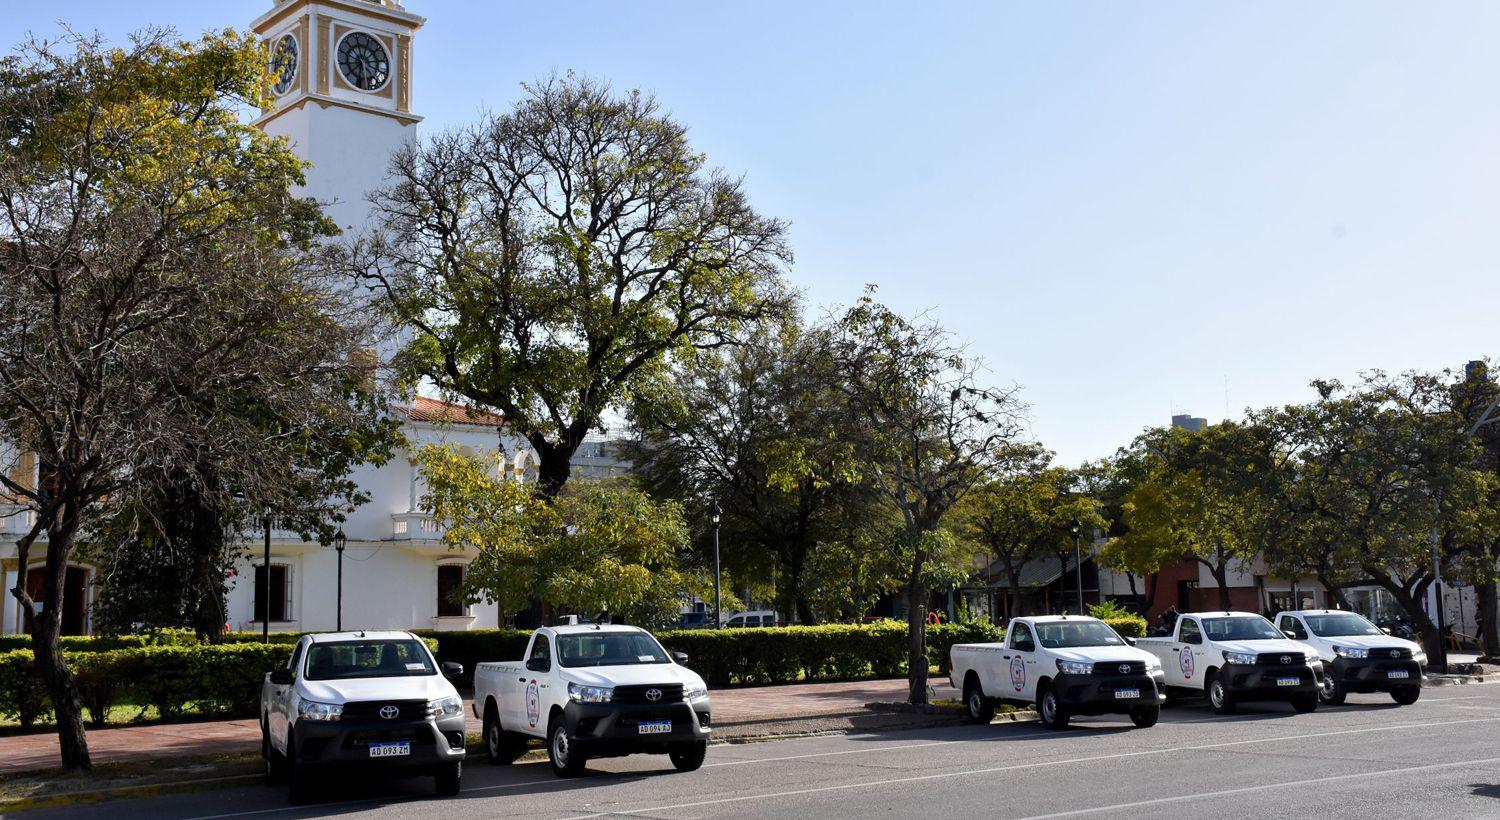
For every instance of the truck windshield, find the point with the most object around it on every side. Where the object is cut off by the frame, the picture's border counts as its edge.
(1076, 633)
(1240, 629)
(343, 660)
(1339, 626)
(609, 649)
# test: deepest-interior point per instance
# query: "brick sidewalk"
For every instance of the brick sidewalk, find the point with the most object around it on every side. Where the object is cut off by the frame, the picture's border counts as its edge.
(20, 753)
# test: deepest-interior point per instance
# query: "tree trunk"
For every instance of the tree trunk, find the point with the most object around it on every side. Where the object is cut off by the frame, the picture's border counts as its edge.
(1411, 604)
(46, 647)
(916, 642)
(1489, 624)
(1221, 577)
(207, 551)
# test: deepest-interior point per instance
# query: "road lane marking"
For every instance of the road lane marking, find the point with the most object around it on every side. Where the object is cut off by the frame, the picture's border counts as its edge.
(1246, 789)
(1021, 766)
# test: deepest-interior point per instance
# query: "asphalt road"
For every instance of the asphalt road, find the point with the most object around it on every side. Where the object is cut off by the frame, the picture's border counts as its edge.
(1368, 759)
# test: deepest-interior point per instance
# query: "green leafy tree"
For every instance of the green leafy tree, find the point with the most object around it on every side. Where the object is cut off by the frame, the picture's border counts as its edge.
(926, 430)
(1204, 498)
(600, 546)
(144, 227)
(756, 428)
(552, 259)
(1025, 514)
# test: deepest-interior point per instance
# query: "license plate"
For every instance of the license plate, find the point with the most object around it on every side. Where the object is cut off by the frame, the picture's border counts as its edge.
(398, 749)
(1397, 673)
(655, 727)
(1126, 694)
(1288, 681)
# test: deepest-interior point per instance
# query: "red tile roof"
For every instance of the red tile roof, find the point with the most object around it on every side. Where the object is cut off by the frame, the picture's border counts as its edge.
(442, 412)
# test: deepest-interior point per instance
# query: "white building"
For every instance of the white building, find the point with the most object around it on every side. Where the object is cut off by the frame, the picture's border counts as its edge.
(344, 101)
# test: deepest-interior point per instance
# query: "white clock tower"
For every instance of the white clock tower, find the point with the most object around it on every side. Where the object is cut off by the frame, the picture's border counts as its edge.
(342, 95)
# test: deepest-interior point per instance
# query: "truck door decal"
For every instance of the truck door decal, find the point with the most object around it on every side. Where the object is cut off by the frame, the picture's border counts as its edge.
(533, 703)
(1018, 673)
(1185, 662)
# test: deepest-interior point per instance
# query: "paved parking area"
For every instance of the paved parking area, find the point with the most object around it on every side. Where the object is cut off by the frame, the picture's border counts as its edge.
(1368, 758)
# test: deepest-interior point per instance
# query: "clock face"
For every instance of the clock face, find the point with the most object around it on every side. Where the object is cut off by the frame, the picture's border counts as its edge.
(363, 61)
(284, 64)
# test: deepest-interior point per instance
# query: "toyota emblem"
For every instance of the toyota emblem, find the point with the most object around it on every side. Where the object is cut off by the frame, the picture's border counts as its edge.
(1395, 653)
(653, 694)
(389, 712)
(1286, 658)
(1124, 668)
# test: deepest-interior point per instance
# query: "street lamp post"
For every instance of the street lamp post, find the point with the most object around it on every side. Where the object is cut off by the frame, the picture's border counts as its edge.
(1078, 561)
(338, 545)
(713, 518)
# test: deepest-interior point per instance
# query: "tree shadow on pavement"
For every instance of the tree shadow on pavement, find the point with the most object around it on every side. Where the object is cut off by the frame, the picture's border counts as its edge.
(1485, 789)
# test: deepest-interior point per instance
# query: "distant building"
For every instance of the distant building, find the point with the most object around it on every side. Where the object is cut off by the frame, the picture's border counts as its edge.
(1189, 423)
(601, 457)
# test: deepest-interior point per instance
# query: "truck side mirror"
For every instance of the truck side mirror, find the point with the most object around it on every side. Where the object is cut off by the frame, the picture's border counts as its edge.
(1387, 630)
(282, 677)
(1129, 640)
(453, 670)
(680, 657)
(1289, 633)
(539, 665)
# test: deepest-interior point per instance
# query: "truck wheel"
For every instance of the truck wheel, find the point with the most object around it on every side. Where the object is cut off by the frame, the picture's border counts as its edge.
(1219, 696)
(1053, 715)
(1332, 691)
(1406, 695)
(501, 747)
(1305, 703)
(980, 708)
(687, 757)
(274, 762)
(1144, 717)
(449, 779)
(298, 780)
(566, 758)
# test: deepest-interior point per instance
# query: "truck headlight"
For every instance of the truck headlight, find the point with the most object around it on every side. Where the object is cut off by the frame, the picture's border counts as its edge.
(1351, 652)
(447, 707)
(1313, 658)
(693, 692)
(590, 694)
(1247, 658)
(1153, 665)
(313, 710)
(1075, 667)
(1419, 656)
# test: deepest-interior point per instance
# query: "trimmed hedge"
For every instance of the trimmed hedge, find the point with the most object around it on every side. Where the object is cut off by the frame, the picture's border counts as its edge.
(1130, 626)
(219, 679)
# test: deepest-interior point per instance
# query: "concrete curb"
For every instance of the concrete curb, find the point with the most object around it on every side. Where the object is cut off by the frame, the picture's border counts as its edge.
(1454, 680)
(53, 801)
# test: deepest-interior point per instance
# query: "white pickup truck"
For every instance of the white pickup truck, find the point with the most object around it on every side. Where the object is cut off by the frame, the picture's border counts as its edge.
(1357, 655)
(362, 700)
(1237, 656)
(1067, 665)
(593, 691)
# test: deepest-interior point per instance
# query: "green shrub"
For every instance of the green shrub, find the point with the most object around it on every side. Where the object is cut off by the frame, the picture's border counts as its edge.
(1108, 610)
(942, 637)
(1129, 626)
(22, 696)
(100, 683)
(476, 646)
(811, 653)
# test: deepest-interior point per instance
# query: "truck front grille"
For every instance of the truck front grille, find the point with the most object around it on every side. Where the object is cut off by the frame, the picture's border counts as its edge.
(1120, 668)
(371, 709)
(1281, 659)
(668, 693)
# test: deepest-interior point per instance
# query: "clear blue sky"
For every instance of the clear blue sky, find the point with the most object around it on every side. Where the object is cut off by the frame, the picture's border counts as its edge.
(1119, 206)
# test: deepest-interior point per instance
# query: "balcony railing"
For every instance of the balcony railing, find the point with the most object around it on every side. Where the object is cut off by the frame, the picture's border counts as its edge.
(413, 525)
(15, 519)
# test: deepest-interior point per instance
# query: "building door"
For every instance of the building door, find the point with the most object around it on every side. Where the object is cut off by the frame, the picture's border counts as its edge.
(75, 597)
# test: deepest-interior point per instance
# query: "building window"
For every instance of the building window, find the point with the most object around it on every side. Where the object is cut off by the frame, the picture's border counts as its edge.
(281, 593)
(450, 580)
